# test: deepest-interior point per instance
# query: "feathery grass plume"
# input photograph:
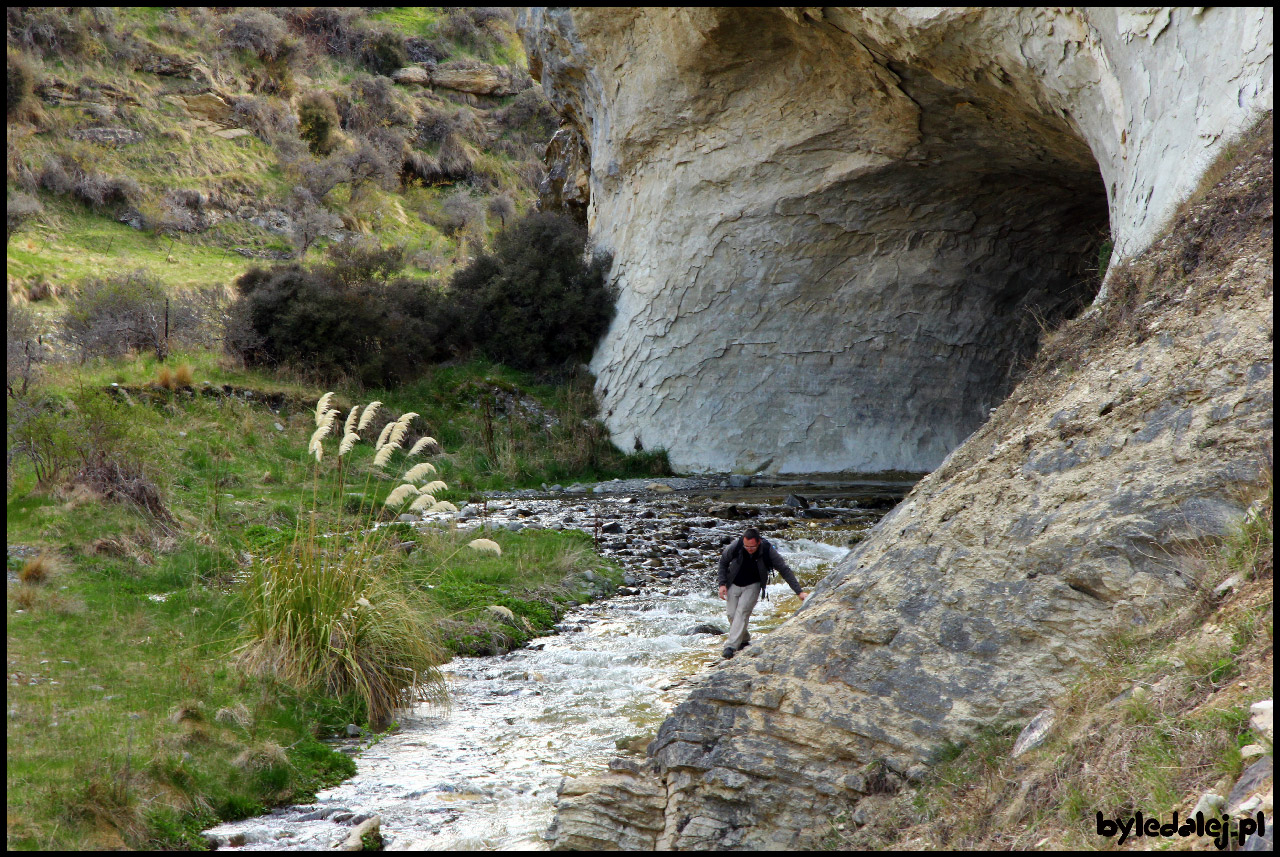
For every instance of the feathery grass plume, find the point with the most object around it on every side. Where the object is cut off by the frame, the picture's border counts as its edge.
(434, 487)
(423, 502)
(398, 496)
(369, 410)
(322, 407)
(348, 441)
(416, 473)
(382, 438)
(318, 435)
(423, 443)
(383, 456)
(443, 506)
(398, 432)
(504, 612)
(486, 546)
(350, 425)
(407, 418)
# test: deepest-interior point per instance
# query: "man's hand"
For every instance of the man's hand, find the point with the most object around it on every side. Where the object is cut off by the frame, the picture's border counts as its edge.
(803, 596)
(724, 592)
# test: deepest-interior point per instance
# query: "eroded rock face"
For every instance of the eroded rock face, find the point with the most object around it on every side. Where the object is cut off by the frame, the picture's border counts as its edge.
(837, 232)
(1077, 510)
(830, 229)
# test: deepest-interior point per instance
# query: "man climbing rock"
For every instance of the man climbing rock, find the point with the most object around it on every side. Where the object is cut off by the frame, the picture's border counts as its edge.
(744, 573)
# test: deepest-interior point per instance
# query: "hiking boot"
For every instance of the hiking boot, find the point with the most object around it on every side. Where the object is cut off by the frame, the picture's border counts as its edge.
(744, 645)
(727, 653)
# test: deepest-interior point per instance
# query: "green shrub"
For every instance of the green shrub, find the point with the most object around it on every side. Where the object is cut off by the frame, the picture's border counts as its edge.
(317, 120)
(314, 320)
(537, 301)
(383, 52)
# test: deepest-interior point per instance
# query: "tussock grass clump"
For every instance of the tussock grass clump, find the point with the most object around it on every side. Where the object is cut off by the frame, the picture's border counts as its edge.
(322, 613)
(40, 569)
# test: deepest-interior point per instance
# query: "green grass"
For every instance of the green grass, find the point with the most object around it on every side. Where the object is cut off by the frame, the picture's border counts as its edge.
(146, 761)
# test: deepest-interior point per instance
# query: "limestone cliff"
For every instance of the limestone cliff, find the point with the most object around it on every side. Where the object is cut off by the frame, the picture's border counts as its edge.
(842, 222)
(836, 231)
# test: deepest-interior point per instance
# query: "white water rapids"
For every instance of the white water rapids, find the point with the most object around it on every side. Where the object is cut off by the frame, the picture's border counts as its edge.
(483, 774)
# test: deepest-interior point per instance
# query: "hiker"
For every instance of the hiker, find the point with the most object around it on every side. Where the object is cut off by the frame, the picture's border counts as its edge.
(744, 572)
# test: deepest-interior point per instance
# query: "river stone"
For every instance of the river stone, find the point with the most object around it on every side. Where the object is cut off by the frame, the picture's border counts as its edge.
(1034, 734)
(1260, 718)
(862, 223)
(1254, 779)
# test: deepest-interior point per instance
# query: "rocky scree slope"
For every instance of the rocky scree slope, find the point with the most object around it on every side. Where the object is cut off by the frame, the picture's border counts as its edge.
(1073, 513)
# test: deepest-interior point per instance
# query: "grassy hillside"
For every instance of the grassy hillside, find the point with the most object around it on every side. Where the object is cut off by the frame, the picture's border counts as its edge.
(165, 138)
(155, 683)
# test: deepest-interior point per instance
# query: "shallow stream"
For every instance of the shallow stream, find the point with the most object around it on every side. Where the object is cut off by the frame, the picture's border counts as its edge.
(483, 774)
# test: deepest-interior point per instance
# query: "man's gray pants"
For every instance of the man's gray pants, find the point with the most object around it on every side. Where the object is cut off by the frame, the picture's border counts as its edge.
(740, 602)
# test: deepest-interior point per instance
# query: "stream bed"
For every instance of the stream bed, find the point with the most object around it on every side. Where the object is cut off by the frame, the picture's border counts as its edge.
(483, 774)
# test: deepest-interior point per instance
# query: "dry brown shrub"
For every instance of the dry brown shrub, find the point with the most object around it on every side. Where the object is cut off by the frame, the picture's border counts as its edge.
(164, 378)
(119, 482)
(182, 376)
(40, 569)
(25, 597)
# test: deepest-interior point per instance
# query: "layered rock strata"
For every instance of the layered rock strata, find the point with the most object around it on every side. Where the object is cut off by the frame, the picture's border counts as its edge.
(837, 232)
(1078, 510)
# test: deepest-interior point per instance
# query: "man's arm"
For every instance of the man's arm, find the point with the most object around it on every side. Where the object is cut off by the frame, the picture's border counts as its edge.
(723, 578)
(788, 575)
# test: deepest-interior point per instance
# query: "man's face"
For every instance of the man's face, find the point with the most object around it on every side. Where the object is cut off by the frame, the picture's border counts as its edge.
(751, 545)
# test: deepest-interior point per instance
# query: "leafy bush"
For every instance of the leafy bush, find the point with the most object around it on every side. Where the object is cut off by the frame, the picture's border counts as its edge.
(383, 52)
(109, 317)
(315, 320)
(318, 119)
(537, 300)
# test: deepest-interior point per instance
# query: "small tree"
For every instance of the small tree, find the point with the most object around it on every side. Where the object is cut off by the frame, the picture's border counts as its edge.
(310, 219)
(317, 121)
(502, 207)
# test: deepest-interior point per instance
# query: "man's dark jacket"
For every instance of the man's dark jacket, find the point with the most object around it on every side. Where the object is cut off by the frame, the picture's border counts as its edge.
(766, 558)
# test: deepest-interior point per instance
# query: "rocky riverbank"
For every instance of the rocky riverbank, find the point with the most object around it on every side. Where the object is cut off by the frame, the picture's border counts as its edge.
(485, 774)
